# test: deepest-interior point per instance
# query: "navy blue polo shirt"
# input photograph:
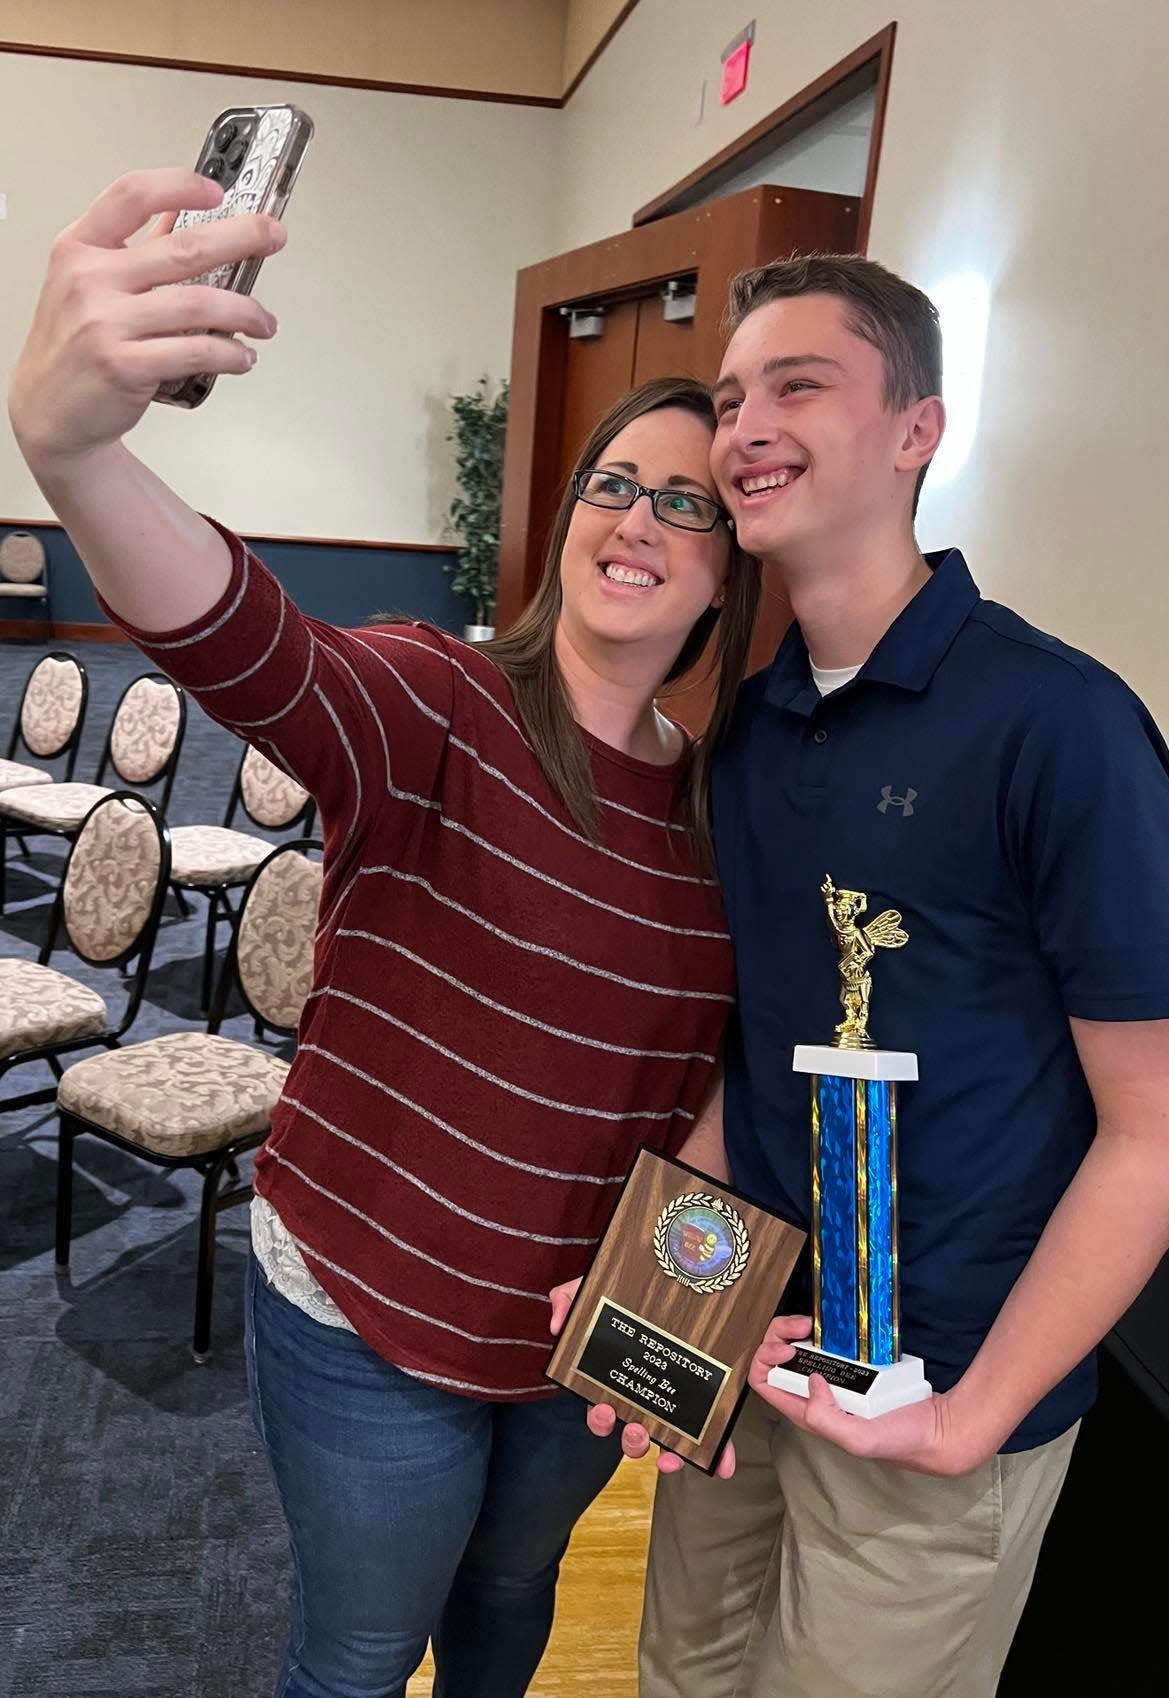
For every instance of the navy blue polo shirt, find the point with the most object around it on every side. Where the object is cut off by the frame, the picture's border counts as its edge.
(1011, 797)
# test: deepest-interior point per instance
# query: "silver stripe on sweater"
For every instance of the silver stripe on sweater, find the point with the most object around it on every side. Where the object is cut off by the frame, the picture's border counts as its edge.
(583, 1109)
(270, 719)
(514, 1013)
(405, 1309)
(470, 1385)
(571, 831)
(374, 715)
(529, 947)
(445, 1126)
(399, 1243)
(348, 748)
(424, 707)
(649, 819)
(420, 1185)
(570, 890)
(209, 689)
(210, 630)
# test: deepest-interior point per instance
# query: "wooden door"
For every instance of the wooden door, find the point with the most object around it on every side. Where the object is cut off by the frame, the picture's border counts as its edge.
(665, 347)
(637, 342)
(597, 370)
(561, 386)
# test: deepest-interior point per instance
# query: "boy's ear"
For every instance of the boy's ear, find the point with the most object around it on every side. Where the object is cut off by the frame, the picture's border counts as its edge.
(925, 425)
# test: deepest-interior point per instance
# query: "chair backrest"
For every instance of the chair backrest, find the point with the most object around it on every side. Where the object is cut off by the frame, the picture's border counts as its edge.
(22, 558)
(271, 955)
(147, 733)
(269, 797)
(52, 708)
(115, 881)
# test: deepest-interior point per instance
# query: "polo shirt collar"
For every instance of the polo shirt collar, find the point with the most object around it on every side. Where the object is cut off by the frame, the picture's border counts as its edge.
(909, 653)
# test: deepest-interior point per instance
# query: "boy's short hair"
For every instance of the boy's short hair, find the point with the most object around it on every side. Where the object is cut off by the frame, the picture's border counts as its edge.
(898, 320)
(895, 318)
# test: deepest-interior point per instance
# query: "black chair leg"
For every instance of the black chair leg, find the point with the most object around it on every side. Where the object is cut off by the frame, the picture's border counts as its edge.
(64, 1190)
(55, 1065)
(205, 1278)
(183, 905)
(209, 950)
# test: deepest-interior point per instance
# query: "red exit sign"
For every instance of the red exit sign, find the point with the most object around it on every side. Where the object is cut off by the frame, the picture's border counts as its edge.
(735, 69)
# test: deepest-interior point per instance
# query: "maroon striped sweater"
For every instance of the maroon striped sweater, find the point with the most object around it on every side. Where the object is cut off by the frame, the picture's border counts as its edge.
(502, 1013)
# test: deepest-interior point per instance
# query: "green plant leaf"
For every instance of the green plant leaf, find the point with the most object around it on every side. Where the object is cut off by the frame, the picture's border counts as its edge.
(480, 427)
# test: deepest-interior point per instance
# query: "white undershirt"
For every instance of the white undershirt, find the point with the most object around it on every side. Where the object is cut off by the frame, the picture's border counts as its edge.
(829, 678)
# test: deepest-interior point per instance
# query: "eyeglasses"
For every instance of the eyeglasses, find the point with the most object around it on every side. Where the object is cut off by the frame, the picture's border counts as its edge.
(679, 507)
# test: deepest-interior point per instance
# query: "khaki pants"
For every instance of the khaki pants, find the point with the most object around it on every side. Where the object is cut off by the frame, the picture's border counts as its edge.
(813, 1574)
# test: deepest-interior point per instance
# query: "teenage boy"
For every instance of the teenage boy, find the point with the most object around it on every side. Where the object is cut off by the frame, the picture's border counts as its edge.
(1011, 797)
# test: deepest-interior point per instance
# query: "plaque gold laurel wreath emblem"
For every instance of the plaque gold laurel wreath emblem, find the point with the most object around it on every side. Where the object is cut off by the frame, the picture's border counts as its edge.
(701, 1241)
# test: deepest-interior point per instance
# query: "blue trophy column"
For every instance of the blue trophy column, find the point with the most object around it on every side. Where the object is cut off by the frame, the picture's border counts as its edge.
(854, 1218)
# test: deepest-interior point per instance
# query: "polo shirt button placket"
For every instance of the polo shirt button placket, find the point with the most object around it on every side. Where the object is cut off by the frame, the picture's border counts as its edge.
(815, 766)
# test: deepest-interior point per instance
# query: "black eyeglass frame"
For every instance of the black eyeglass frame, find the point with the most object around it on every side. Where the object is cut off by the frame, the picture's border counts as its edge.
(655, 495)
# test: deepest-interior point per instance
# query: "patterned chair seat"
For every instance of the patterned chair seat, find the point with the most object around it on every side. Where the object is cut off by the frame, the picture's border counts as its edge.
(34, 592)
(211, 854)
(179, 1095)
(14, 775)
(58, 807)
(38, 1006)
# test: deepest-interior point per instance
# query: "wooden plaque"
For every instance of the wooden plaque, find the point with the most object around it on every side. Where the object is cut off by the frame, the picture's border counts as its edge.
(667, 1319)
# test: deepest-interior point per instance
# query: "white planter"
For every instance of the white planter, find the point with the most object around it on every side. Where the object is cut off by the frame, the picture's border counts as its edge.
(478, 633)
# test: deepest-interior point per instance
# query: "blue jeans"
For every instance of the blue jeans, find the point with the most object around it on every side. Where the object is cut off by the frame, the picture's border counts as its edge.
(414, 1514)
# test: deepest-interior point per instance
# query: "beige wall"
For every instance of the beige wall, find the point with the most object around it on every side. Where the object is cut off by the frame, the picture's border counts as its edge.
(528, 47)
(1026, 144)
(407, 227)
(512, 46)
(585, 24)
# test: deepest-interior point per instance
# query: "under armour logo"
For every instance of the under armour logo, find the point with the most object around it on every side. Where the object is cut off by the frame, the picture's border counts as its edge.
(888, 800)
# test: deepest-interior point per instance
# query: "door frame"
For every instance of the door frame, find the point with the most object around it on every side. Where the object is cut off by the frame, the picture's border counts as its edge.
(868, 66)
(671, 237)
(711, 243)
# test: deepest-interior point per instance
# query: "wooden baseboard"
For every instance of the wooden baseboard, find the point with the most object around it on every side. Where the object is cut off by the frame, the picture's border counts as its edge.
(69, 631)
(80, 632)
(26, 630)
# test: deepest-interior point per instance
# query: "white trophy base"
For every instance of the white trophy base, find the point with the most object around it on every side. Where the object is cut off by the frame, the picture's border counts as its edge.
(857, 1386)
(855, 1063)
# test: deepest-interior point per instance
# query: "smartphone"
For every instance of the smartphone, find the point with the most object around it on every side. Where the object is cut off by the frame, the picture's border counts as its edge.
(256, 153)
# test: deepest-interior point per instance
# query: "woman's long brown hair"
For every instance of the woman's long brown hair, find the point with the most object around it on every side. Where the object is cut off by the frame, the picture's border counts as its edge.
(526, 654)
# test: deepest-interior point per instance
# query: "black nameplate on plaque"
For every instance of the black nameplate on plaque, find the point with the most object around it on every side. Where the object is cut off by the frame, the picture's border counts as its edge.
(626, 1355)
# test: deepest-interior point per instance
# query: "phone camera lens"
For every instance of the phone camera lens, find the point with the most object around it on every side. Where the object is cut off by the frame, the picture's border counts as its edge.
(237, 156)
(214, 168)
(225, 135)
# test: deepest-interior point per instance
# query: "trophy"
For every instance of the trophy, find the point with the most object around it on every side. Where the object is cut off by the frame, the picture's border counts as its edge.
(856, 1343)
(670, 1314)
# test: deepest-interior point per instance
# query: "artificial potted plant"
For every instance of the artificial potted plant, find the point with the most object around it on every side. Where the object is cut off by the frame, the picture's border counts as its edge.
(480, 423)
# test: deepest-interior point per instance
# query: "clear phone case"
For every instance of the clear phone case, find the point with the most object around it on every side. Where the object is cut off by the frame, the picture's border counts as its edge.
(256, 151)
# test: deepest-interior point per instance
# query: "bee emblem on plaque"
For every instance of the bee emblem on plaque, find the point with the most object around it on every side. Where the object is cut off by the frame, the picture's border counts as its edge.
(702, 1241)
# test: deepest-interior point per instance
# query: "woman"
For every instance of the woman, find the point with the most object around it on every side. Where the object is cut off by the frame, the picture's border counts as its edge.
(522, 970)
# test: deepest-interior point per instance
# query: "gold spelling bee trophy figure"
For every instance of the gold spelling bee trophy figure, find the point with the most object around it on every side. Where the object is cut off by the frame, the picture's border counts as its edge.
(855, 1313)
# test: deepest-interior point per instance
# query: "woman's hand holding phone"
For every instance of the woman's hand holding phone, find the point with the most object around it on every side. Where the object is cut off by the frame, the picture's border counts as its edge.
(107, 331)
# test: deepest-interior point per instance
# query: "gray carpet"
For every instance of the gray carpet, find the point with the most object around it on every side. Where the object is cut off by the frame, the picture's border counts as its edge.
(141, 1546)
